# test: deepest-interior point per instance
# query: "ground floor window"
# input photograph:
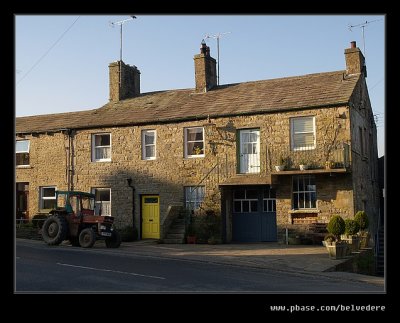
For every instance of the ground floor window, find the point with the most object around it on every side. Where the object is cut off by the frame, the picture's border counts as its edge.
(269, 200)
(304, 192)
(194, 196)
(48, 197)
(245, 200)
(103, 201)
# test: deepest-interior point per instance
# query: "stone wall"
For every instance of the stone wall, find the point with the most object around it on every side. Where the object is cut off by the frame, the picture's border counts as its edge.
(171, 171)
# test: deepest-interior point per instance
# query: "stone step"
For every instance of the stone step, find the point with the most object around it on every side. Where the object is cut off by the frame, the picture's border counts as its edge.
(175, 235)
(179, 220)
(176, 232)
(173, 241)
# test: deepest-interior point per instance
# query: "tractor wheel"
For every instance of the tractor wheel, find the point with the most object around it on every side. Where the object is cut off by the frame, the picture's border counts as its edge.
(54, 230)
(87, 238)
(114, 241)
(74, 241)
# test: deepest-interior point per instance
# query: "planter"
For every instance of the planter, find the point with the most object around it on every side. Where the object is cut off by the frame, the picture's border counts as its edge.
(364, 240)
(353, 243)
(279, 168)
(337, 251)
(303, 167)
(329, 165)
(191, 239)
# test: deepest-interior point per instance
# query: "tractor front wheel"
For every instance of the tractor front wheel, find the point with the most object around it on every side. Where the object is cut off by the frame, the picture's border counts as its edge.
(87, 238)
(114, 241)
(54, 230)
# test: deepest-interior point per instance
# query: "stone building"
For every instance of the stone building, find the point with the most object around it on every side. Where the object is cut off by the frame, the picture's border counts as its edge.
(211, 147)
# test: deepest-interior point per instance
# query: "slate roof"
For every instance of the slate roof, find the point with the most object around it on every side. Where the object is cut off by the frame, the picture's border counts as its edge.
(267, 96)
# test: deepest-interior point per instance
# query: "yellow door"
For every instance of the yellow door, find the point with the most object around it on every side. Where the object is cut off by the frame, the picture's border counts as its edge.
(150, 217)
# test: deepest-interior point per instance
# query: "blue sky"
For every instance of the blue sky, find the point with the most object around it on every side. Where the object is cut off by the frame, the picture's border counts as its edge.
(70, 73)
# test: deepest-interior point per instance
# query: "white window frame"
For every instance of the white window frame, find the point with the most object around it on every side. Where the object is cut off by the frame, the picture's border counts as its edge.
(106, 205)
(186, 142)
(194, 197)
(144, 145)
(43, 198)
(296, 193)
(23, 152)
(94, 147)
(292, 142)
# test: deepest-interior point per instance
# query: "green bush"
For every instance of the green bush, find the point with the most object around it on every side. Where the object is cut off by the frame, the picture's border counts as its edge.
(128, 233)
(351, 227)
(362, 220)
(38, 220)
(336, 226)
(329, 237)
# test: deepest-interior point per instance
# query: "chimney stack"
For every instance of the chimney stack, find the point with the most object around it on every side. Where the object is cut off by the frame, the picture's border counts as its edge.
(355, 61)
(205, 69)
(124, 81)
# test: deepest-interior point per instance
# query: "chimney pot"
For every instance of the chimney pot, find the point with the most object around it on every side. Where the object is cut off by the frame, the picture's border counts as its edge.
(203, 48)
(353, 44)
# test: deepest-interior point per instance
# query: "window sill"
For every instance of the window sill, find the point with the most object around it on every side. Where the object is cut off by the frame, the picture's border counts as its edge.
(304, 211)
(194, 156)
(24, 166)
(102, 161)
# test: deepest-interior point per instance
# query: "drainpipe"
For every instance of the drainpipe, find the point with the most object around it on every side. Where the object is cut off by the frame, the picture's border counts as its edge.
(129, 180)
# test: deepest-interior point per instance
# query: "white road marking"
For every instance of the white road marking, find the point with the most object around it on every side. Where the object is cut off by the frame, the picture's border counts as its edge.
(109, 270)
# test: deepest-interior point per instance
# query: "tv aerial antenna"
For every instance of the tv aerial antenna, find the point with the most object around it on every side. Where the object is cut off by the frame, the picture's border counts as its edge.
(120, 23)
(362, 26)
(217, 37)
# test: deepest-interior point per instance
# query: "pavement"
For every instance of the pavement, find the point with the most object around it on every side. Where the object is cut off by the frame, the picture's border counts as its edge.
(299, 259)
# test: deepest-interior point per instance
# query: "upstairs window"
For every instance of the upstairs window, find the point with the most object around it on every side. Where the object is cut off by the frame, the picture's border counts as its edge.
(101, 147)
(22, 152)
(194, 142)
(302, 131)
(148, 144)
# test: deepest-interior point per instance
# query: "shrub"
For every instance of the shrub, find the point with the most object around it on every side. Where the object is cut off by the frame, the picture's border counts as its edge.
(362, 220)
(128, 233)
(38, 220)
(330, 237)
(336, 226)
(351, 227)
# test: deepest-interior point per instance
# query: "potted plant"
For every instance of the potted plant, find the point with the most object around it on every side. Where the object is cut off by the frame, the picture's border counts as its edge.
(362, 219)
(197, 150)
(282, 164)
(191, 234)
(350, 234)
(303, 164)
(329, 164)
(337, 249)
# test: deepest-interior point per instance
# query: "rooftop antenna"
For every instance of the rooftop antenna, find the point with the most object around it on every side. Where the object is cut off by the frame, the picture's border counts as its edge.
(120, 23)
(217, 37)
(363, 25)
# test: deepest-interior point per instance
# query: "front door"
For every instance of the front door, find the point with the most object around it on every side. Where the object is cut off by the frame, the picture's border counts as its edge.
(22, 201)
(249, 153)
(150, 217)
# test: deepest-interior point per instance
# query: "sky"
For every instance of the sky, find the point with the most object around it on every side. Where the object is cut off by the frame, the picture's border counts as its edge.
(62, 61)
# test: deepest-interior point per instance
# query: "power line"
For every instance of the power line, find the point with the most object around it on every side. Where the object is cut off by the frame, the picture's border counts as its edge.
(51, 47)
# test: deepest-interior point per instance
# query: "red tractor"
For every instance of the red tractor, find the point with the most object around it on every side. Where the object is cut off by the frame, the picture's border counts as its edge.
(74, 219)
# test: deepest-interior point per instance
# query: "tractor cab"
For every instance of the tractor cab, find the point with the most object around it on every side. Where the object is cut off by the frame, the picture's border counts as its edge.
(75, 203)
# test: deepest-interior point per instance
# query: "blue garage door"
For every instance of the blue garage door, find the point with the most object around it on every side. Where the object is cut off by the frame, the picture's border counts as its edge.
(254, 215)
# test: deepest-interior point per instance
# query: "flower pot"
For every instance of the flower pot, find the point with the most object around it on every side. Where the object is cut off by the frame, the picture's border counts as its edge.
(337, 251)
(191, 239)
(303, 167)
(279, 168)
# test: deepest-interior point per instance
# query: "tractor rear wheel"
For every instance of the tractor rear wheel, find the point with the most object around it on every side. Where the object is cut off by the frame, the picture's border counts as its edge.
(114, 241)
(54, 230)
(87, 238)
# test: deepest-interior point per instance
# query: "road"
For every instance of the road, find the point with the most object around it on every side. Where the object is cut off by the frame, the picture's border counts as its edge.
(40, 268)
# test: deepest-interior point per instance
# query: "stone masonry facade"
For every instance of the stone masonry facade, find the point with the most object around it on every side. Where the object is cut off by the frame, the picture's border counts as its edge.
(341, 193)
